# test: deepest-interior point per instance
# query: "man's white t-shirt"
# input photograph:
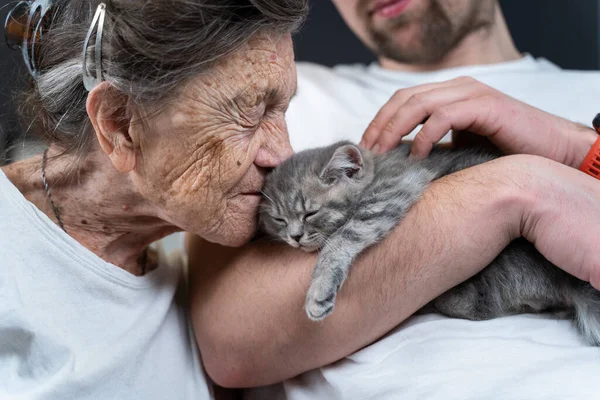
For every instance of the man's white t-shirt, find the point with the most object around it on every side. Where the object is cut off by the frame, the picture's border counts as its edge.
(75, 327)
(338, 103)
(434, 357)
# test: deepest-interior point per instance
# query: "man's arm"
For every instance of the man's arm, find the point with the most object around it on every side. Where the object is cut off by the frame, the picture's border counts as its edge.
(247, 304)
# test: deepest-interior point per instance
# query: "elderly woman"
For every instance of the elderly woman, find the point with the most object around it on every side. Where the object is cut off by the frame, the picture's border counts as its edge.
(172, 130)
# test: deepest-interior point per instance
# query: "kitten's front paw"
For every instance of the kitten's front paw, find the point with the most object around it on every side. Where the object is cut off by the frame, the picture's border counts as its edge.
(320, 299)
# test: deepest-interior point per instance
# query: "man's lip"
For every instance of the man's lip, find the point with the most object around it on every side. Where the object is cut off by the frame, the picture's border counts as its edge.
(378, 5)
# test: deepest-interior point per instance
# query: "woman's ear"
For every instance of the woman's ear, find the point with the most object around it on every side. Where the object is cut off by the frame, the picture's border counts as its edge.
(108, 111)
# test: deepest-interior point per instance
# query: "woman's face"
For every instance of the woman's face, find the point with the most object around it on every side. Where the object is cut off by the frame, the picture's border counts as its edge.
(204, 161)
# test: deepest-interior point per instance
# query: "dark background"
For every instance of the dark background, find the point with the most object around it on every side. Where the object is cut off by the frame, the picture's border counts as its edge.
(565, 32)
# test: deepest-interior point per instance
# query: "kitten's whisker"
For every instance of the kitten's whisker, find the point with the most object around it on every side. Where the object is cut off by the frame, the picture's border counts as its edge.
(266, 196)
(328, 244)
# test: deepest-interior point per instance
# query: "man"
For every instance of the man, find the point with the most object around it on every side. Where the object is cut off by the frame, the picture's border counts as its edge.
(248, 307)
(428, 41)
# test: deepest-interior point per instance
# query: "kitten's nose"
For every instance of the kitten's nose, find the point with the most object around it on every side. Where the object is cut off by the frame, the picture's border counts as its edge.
(296, 237)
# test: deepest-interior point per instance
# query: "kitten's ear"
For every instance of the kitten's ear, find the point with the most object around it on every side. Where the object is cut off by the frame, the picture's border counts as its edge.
(346, 161)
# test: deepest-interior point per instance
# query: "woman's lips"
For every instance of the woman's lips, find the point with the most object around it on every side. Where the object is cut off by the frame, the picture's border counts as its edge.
(389, 8)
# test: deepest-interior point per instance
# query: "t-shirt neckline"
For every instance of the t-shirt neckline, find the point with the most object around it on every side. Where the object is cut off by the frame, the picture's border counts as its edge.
(523, 64)
(61, 240)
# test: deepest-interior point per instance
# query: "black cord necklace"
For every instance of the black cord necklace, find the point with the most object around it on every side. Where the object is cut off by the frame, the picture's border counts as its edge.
(142, 260)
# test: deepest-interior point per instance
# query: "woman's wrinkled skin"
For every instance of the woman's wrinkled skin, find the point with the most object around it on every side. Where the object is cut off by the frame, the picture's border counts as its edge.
(205, 164)
(197, 165)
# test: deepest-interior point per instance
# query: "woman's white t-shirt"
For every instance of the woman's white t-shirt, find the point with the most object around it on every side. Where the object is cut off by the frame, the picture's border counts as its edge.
(75, 327)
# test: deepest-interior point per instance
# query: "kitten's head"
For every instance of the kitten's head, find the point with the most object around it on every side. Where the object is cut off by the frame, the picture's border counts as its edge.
(312, 194)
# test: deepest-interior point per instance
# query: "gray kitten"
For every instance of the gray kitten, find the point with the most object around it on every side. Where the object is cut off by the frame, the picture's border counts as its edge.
(342, 199)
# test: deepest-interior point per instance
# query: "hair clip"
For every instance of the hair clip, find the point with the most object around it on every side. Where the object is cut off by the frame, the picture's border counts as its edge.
(24, 27)
(89, 81)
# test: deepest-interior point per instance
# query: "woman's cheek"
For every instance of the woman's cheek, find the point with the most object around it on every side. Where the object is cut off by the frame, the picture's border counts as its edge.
(275, 140)
(237, 157)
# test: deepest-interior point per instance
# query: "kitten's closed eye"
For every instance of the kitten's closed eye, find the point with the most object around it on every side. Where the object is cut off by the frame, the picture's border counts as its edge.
(280, 221)
(309, 215)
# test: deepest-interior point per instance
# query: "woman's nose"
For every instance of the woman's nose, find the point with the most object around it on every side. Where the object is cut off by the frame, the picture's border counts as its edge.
(270, 157)
(274, 152)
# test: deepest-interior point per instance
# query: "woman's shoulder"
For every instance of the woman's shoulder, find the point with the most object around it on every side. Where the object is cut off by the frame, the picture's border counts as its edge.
(12, 203)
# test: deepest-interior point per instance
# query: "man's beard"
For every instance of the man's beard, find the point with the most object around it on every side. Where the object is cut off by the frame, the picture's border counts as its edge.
(438, 34)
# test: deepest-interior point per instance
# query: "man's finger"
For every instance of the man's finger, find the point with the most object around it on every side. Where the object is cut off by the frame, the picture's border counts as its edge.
(399, 98)
(468, 115)
(418, 108)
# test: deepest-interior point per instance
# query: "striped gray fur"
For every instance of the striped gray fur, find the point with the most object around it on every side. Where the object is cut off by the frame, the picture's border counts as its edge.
(342, 199)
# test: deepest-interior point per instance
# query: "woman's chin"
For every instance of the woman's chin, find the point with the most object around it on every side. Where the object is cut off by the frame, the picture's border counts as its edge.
(235, 231)
(239, 234)
(234, 239)
(235, 226)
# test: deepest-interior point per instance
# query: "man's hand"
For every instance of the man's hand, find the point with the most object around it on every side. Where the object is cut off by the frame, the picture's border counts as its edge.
(562, 218)
(465, 104)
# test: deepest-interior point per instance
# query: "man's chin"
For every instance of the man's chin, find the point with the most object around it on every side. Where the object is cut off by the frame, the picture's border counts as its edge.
(402, 44)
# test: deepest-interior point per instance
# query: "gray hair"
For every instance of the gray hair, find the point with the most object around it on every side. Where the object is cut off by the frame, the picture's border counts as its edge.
(149, 48)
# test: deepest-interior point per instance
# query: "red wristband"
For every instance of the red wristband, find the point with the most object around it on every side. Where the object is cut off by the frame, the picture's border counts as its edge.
(591, 164)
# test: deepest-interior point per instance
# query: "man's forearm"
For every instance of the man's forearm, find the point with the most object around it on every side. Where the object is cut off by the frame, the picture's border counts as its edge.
(247, 304)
